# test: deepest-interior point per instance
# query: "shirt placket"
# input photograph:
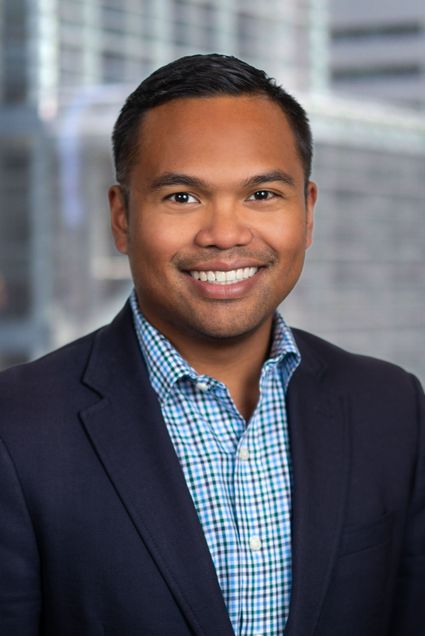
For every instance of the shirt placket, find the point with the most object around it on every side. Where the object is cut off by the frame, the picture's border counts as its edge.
(249, 520)
(219, 415)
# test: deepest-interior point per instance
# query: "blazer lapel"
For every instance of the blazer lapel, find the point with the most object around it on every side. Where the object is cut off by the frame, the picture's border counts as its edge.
(320, 456)
(132, 442)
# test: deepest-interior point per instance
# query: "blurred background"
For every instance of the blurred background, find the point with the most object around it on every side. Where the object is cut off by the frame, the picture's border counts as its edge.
(66, 67)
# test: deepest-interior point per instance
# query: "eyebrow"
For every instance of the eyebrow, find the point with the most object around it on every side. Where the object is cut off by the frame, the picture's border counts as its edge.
(275, 175)
(177, 179)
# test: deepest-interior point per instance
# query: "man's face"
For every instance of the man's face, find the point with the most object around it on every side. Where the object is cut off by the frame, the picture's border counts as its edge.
(218, 221)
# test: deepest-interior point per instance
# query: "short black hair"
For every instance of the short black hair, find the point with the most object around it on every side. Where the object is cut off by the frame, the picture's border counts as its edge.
(202, 76)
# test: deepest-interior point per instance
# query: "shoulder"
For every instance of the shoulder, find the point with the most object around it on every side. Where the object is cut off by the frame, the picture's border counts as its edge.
(65, 362)
(384, 403)
(48, 385)
(347, 369)
(53, 390)
(66, 367)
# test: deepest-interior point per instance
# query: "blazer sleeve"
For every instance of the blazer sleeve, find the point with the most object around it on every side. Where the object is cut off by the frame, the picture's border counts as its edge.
(409, 608)
(20, 596)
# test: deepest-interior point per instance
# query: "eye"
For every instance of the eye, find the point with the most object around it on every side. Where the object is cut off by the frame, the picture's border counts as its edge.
(262, 195)
(182, 197)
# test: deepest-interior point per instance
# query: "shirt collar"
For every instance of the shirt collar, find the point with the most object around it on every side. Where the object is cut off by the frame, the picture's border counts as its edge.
(166, 366)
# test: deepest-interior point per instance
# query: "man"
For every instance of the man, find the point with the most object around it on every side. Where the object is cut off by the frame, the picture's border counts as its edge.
(196, 467)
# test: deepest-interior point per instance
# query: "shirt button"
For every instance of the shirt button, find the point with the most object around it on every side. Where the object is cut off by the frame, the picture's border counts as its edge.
(202, 386)
(244, 453)
(255, 544)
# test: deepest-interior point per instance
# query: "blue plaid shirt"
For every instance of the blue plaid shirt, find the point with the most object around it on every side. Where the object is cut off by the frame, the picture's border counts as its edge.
(238, 473)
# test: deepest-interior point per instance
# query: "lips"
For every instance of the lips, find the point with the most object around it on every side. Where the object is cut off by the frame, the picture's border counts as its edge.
(224, 277)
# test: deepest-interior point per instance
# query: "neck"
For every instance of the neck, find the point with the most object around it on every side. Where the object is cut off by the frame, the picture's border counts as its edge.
(235, 362)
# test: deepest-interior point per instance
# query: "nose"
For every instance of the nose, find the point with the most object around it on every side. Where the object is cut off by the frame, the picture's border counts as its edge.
(223, 226)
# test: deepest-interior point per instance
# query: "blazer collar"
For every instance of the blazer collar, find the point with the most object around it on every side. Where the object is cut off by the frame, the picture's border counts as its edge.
(132, 442)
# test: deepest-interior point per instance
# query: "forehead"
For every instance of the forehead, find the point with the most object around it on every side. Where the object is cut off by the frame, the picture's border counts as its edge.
(195, 134)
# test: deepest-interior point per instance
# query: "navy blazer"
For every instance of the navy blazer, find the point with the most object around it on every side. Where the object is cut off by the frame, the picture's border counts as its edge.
(99, 535)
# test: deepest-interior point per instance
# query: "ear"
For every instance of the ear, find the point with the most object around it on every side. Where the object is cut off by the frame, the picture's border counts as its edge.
(119, 218)
(311, 198)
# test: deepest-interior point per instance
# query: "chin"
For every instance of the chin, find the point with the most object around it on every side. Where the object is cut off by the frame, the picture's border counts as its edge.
(233, 329)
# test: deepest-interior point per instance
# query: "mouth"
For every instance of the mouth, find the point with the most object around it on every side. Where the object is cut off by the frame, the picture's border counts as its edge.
(222, 277)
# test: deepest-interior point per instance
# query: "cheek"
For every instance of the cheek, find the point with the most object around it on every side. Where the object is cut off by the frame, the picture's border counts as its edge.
(288, 239)
(153, 245)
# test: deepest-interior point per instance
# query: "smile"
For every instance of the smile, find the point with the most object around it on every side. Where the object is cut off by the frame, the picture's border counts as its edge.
(224, 277)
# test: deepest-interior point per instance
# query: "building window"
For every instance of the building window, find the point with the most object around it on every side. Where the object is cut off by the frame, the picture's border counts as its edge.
(14, 43)
(194, 24)
(376, 32)
(15, 234)
(113, 67)
(373, 73)
(114, 20)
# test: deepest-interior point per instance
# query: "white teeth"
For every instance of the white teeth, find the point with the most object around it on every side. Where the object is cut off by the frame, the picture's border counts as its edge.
(224, 277)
